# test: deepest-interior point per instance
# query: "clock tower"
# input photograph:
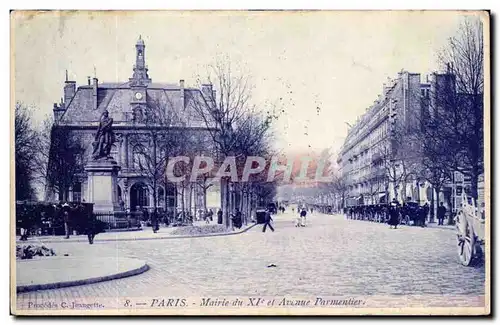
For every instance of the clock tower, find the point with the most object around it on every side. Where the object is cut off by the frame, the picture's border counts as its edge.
(140, 76)
(139, 82)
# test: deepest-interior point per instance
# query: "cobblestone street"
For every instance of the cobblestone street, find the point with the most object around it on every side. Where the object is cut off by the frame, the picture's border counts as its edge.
(332, 256)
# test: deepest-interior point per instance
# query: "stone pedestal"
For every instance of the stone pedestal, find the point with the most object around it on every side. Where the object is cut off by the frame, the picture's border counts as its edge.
(102, 184)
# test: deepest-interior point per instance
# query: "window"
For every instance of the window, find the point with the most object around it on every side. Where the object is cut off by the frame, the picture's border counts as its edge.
(138, 160)
(77, 192)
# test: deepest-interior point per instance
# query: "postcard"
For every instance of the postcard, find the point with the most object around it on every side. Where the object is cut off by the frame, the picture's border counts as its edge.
(250, 163)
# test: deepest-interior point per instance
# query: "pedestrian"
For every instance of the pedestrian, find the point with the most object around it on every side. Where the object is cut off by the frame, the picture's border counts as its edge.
(394, 214)
(303, 215)
(237, 219)
(66, 219)
(145, 215)
(267, 220)
(441, 212)
(219, 217)
(425, 213)
(90, 225)
(23, 220)
(154, 221)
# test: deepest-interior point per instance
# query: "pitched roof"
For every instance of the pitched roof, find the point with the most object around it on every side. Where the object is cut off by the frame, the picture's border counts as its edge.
(116, 98)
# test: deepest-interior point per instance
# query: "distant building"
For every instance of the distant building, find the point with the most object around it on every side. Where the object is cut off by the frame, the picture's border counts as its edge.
(126, 102)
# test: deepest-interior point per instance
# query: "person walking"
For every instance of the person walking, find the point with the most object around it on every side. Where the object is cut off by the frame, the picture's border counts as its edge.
(66, 219)
(267, 221)
(441, 212)
(425, 213)
(91, 225)
(154, 221)
(219, 217)
(394, 214)
(303, 215)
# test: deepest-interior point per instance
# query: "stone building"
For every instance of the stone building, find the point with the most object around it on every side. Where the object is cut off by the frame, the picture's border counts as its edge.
(127, 103)
(370, 143)
(367, 161)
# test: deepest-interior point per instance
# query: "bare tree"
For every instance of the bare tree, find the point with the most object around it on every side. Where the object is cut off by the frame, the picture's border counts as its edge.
(158, 136)
(226, 109)
(457, 107)
(61, 158)
(25, 138)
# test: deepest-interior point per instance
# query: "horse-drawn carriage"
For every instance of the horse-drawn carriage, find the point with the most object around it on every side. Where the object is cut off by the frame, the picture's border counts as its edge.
(470, 226)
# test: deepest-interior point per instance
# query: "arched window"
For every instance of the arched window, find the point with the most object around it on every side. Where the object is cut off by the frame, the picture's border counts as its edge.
(138, 160)
(139, 196)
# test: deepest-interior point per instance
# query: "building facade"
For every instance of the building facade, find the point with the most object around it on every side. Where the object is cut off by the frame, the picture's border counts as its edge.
(368, 161)
(365, 157)
(128, 104)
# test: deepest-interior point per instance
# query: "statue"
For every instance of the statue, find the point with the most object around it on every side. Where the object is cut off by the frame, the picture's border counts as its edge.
(104, 138)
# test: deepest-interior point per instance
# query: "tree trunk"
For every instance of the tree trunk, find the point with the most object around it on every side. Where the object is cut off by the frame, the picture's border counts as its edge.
(195, 199)
(204, 197)
(176, 201)
(432, 206)
(189, 202)
(183, 206)
(403, 192)
(155, 196)
(225, 201)
(474, 184)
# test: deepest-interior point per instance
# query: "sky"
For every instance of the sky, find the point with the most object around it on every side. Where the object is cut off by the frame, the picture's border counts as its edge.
(322, 68)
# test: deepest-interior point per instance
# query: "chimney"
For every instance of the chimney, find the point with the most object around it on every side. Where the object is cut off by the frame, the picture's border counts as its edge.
(88, 80)
(58, 112)
(94, 91)
(181, 86)
(69, 90)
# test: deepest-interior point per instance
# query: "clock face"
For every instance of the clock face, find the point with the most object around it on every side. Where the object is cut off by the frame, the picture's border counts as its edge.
(138, 96)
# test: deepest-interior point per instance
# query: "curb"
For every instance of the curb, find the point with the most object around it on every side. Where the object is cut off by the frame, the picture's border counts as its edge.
(145, 238)
(58, 285)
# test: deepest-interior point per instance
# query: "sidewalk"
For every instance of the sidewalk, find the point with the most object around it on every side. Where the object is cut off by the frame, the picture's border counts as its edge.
(445, 226)
(144, 234)
(58, 272)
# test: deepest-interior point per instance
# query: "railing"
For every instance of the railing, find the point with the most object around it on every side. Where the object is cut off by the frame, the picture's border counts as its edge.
(120, 220)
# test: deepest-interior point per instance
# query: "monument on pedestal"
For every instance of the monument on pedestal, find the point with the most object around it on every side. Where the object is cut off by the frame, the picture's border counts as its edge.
(103, 170)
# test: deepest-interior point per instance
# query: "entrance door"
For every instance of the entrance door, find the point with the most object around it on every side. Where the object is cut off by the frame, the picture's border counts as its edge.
(138, 196)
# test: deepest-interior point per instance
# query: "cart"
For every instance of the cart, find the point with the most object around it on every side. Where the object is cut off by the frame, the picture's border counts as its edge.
(469, 223)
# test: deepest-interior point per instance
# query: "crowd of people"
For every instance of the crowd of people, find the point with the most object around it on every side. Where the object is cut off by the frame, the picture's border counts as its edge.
(72, 216)
(408, 213)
